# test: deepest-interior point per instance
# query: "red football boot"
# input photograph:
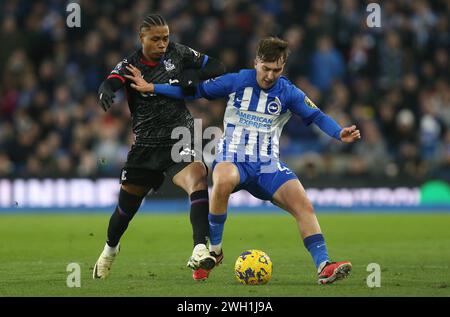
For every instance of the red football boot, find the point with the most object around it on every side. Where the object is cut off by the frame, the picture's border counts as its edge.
(206, 266)
(334, 271)
(200, 274)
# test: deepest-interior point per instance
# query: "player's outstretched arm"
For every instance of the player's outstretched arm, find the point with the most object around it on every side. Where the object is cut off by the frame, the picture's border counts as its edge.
(141, 85)
(137, 81)
(310, 113)
(191, 77)
(333, 129)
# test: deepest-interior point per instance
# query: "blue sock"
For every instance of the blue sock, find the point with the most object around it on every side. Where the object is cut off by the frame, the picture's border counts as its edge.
(216, 224)
(317, 248)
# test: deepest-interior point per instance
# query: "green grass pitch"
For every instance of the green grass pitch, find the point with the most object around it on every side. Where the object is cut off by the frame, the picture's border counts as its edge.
(413, 251)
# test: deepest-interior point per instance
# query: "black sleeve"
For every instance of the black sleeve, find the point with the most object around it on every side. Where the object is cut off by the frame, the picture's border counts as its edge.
(213, 68)
(118, 73)
(113, 83)
(190, 57)
(190, 78)
(106, 92)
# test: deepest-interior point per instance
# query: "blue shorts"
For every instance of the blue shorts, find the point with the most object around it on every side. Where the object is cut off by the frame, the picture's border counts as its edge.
(261, 183)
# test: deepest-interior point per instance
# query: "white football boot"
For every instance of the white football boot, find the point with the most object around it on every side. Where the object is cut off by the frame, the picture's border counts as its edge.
(201, 255)
(104, 262)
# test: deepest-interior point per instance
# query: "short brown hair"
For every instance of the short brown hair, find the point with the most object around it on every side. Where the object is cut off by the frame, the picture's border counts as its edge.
(271, 49)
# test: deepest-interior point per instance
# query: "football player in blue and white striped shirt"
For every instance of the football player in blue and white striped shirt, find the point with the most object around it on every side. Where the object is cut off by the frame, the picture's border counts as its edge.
(260, 102)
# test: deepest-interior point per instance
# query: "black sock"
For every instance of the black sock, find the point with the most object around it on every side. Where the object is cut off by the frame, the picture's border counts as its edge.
(199, 216)
(124, 212)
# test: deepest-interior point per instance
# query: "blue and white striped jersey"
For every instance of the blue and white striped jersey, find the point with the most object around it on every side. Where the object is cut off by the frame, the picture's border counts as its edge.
(254, 118)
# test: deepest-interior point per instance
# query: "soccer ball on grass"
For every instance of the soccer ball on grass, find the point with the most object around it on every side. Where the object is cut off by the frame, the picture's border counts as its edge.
(253, 267)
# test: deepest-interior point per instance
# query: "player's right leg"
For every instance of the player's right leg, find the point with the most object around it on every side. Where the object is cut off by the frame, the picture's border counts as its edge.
(135, 186)
(226, 177)
(130, 198)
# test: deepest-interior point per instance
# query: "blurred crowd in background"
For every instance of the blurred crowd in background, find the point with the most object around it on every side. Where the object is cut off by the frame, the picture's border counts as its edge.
(392, 82)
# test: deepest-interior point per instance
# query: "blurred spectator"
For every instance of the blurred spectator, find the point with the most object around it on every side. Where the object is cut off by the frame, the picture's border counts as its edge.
(393, 81)
(327, 64)
(422, 21)
(431, 128)
(10, 37)
(297, 63)
(407, 152)
(372, 151)
(391, 57)
(443, 159)
(6, 166)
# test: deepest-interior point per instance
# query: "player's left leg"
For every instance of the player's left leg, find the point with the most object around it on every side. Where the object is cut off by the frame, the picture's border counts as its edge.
(193, 180)
(291, 196)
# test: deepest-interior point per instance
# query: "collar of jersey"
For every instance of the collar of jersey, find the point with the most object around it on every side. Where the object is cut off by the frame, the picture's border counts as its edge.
(146, 62)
